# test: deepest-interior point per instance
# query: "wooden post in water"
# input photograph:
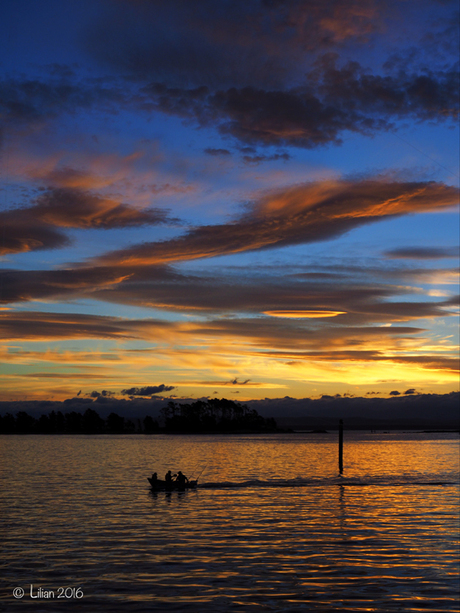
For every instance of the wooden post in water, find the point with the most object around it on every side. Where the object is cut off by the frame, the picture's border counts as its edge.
(341, 446)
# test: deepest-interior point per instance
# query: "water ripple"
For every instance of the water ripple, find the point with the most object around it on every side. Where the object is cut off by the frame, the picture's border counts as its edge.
(77, 512)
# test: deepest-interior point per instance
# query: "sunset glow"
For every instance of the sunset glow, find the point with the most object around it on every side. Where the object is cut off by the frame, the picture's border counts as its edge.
(259, 199)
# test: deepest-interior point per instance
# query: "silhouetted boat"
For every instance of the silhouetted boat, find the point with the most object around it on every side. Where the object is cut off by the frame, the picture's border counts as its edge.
(160, 485)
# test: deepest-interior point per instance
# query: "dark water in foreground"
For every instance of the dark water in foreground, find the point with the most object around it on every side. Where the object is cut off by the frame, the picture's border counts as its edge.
(274, 527)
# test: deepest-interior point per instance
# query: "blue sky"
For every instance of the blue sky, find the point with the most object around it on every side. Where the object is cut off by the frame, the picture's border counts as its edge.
(256, 198)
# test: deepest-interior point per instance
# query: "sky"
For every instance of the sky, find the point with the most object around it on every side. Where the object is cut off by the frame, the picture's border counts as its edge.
(234, 199)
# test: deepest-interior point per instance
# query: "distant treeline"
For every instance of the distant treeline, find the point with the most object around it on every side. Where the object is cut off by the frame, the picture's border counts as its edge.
(201, 416)
(88, 422)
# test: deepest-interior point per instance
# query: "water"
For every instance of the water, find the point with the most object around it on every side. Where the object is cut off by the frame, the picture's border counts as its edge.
(273, 527)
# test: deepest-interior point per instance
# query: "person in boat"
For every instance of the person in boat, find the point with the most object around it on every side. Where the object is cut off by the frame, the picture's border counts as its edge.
(181, 479)
(154, 479)
(168, 478)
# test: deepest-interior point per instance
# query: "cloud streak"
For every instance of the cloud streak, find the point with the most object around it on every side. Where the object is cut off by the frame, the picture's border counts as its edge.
(302, 214)
(74, 208)
(422, 253)
(47, 326)
(36, 227)
(342, 299)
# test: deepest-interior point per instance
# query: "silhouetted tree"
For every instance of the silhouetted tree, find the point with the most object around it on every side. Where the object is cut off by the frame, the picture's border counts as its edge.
(150, 426)
(92, 423)
(43, 425)
(7, 424)
(129, 427)
(56, 422)
(74, 422)
(214, 416)
(115, 424)
(25, 423)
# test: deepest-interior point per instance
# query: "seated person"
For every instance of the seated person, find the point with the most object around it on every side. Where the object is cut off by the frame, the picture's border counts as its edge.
(181, 479)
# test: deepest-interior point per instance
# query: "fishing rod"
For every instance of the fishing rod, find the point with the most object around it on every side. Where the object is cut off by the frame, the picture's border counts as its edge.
(195, 468)
(202, 471)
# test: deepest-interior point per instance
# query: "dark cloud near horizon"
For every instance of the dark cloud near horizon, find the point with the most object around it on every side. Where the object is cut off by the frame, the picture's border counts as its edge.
(411, 412)
(104, 394)
(149, 390)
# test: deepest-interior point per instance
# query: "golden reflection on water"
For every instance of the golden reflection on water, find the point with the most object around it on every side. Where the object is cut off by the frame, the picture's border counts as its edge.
(295, 537)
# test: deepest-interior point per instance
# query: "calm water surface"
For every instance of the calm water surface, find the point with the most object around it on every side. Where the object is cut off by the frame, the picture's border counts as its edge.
(273, 527)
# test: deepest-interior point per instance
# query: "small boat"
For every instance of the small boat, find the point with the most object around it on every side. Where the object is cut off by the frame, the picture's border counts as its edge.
(159, 485)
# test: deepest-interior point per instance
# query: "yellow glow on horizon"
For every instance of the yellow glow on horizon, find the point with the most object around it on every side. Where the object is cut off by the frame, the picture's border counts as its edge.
(262, 362)
(239, 384)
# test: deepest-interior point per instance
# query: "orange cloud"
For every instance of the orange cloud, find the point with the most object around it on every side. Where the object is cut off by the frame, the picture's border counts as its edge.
(73, 208)
(35, 228)
(251, 354)
(32, 325)
(307, 213)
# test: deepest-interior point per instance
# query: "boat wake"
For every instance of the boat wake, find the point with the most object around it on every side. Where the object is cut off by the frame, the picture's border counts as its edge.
(299, 482)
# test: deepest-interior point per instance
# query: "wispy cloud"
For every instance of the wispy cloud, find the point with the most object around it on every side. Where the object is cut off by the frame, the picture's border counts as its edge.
(423, 253)
(301, 214)
(75, 208)
(48, 326)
